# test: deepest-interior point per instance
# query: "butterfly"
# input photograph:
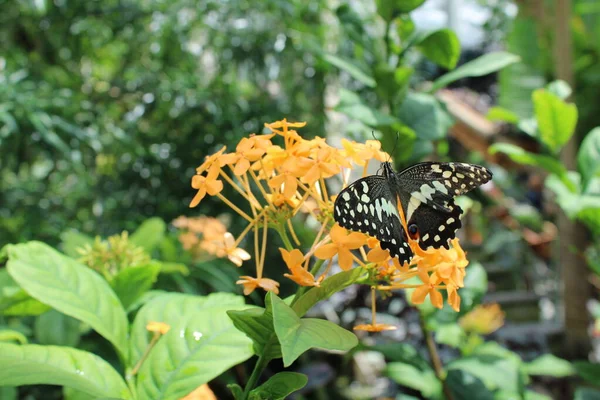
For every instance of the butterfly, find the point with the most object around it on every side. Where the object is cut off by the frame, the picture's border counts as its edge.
(426, 192)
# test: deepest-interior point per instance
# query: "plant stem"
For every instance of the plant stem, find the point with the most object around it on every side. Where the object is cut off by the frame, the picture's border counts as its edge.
(260, 365)
(435, 358)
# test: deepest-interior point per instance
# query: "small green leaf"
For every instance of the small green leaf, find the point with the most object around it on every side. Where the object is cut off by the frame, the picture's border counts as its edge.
(406, 6)
(73, 240)
(8, 335)
(350, 68)
(236, 391)
(414, 378)
(559, 88)
(51, 365)
(423, 113)
(131, 283)
(486, 64)
(502, 114)
(70, 288)
(201, 344)
(149, 234)
(556, 119)
(329, 286)
(588, 157)
(57, 329)
(442, 47)
(279, 386)
(549, 365)
(590, 372)
(257, 324)
(299, 335)
(449, 334)
(464, 385)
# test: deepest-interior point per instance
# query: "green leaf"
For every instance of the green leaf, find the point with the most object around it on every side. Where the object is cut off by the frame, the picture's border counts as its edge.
(351, 105)
(442, 47)
(257, 324)
(531, 395)
(404, 353)
(587, 394)
(486, 64)
(449, 334)
(476, 285)
(279, 386)
(149, 234)
(15, 301)
(8, 335)
(69, 287)
(52, 365)
(424, 114)
(556, 119)
(8, 393)
(466, 386)
(131, 283)
(548, 163)
(414, 378)
(588, 157)
(588, 371)
(559, 88)
(236, 391)
(201, 344)
(350, 68)
(406, 6)
(502, 114)
(57, 329)
(549, 365)
(299, 335)
(73, 240)
(329, 286)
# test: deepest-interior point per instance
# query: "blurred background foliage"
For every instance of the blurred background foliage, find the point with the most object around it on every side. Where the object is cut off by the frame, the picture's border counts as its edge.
(106, 108)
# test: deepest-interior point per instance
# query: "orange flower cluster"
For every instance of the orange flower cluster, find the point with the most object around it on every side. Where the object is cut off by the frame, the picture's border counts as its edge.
(281, 175)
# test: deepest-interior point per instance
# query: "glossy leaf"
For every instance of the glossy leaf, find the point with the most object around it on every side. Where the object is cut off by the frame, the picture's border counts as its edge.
(57, 329)
(328, 287)
(52, 365)
(131, 283)
(149, 234)
(476, 285)
(70, 288)
(442, 47)
(412, 377)
(549, 365)
(484, 65)
(352, 69)
(556, 119)
(299, 335)
(279, 386)
(201, 344)
(423, 113)
(588, 157)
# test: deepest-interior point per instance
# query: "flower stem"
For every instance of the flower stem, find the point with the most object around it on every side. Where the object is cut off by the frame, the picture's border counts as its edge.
(435, 358)
(260, 365)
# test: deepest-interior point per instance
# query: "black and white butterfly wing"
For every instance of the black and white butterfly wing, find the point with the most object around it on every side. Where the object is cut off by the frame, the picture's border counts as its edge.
(370, 206)
(436, 228)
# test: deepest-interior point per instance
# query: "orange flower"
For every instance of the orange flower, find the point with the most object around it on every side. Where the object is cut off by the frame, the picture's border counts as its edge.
(284, 125)
(202, 392)
(248, 150)
(342, 243)
(158, 327)
(322, 166)
(251, 283)
(210, 160)
(375, 327)
(188, 240)
(427, 288)
(208, 184)
(301, 276)
(235, 255)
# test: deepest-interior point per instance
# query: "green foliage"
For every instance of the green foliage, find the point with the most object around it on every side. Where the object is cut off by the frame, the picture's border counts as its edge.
(588, 157)
(549, 365)
(441, 47)
(279, 386)
(55, 328)
(131, 283)
(149, 234)
(556, 119)
(423, 380)
(464, 385)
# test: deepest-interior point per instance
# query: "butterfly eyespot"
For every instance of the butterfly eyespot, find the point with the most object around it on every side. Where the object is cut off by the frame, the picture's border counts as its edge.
(413, 231)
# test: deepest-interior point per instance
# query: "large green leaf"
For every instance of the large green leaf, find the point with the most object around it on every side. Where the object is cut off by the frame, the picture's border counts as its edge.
(522, 156)
(466, 386)
(298, 335)
(149, 234)
(588, 157)
(549, 365)
(423, 113)
(15, 301)
(410, 376)
(73, 240)
(69, 287)
(442, 47)
(350, 68)
(279, 386)
(329, 286)
(257, 324)
(131, 283)
(201, 344)
(486, 64)
(556, 119)
(588, 371)
(58, 329)
(52, 365)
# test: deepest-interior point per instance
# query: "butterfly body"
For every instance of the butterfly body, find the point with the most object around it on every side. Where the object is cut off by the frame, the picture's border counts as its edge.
(426, 193)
